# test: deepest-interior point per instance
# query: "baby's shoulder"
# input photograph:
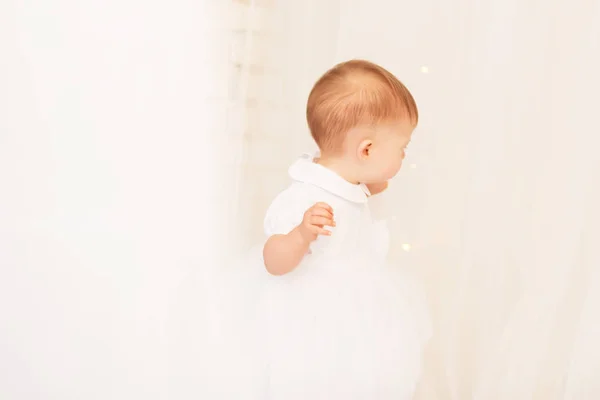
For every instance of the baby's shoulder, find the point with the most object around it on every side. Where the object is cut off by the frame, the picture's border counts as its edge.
(300, 196)
(296, 195)
(288, 207)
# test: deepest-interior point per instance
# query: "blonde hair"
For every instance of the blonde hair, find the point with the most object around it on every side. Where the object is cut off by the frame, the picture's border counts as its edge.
(353, 93)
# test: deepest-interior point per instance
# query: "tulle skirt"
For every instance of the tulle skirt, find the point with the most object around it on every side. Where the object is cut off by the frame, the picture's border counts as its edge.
(335, 328)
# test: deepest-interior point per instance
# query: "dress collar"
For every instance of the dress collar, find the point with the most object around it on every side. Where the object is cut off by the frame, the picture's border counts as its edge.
(305, 170)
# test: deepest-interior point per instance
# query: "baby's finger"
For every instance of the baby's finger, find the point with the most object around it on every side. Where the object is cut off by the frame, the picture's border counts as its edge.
(325, 206)
(321, 212)
(321, 231)
(321, 221)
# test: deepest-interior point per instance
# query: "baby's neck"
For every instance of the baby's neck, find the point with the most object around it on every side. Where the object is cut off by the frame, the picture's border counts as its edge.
(339, 166)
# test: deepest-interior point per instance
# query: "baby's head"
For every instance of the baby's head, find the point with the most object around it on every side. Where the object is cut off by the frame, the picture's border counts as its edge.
(362, 117)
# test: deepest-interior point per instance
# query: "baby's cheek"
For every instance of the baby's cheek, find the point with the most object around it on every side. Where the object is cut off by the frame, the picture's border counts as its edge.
(394, 168)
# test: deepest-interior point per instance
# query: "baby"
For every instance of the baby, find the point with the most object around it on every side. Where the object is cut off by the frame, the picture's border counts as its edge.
(362, 119)
(339, 321)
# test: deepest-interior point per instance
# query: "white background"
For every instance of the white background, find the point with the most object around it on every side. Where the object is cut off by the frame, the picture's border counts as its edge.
(119, 125)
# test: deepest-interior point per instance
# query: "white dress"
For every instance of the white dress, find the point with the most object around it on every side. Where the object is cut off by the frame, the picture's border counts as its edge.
(343, 325)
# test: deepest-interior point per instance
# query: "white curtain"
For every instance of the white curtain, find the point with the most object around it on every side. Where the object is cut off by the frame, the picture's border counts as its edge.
(113, 121)
(496, 209)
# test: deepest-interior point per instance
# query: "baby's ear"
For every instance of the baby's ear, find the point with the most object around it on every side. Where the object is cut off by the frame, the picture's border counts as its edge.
(364, 149)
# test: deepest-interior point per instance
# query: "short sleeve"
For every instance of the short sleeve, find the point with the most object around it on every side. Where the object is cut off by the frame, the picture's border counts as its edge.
(286, 211)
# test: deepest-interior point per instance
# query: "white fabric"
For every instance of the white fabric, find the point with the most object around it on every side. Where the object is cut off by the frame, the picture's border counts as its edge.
(110, 207)
(343, 324)
(313, 183)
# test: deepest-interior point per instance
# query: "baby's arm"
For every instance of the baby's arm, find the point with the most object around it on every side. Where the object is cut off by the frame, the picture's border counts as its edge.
(283, 253)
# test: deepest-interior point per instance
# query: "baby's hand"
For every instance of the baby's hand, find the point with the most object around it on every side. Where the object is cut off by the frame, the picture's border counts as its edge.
(314, 222)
